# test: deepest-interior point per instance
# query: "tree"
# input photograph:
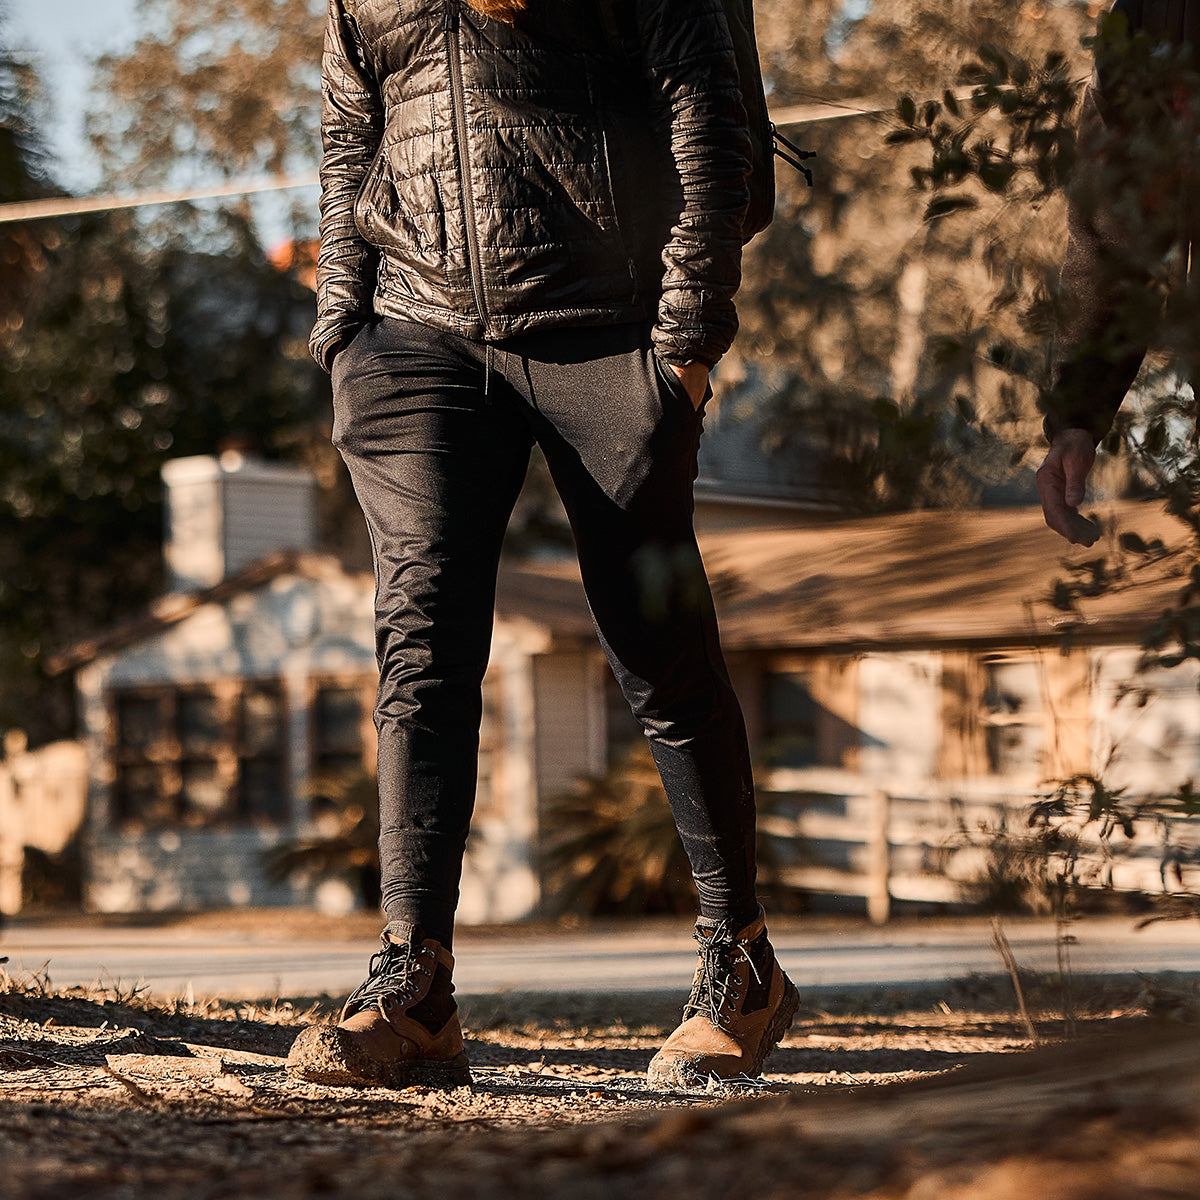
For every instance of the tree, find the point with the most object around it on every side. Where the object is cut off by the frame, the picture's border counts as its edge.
(851, 308)
(126, 341)
(22, 177)
(231, 86)
(127, 354)
(234, 89)
(865, 330)
(1007, 160)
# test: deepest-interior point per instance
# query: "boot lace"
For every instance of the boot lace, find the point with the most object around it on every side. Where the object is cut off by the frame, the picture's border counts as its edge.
(391, 974)
(714, 990)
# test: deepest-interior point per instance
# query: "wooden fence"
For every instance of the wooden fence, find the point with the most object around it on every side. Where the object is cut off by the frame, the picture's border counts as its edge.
(43, 797)
(933, 842)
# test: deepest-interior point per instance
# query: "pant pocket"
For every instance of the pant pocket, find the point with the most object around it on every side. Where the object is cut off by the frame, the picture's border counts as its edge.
(673, 385)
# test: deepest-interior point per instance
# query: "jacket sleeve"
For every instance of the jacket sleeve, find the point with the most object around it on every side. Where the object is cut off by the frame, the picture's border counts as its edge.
(688, 57)
(1096, 358)
(351, 130)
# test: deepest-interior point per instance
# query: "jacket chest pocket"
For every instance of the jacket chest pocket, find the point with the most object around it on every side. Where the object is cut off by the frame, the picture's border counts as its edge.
(566, 173)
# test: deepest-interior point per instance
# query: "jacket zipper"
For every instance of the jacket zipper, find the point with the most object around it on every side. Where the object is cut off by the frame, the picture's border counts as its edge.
(458, 106)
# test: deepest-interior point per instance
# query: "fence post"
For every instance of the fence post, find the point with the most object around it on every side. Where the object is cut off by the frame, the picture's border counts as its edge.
(12, 839)
(879, 899)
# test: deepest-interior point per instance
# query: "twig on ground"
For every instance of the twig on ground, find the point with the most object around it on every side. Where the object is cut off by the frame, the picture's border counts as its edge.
(139, 1094)
(1000, 943)
(1064, 940)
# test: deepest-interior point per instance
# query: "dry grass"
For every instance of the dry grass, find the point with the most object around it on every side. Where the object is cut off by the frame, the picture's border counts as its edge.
(909, 1094)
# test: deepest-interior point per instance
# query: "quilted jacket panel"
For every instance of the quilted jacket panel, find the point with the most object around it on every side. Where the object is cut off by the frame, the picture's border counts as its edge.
(491, 179)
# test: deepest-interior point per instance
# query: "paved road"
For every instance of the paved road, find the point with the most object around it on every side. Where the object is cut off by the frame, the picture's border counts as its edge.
(173, 959)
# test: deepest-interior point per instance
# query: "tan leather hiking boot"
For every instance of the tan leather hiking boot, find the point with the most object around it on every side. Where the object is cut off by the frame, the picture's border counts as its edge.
(740, 1007)
(397, 1029)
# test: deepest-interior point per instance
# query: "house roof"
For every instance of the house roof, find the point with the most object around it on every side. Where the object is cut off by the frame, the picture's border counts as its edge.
(932, 578)
(546, 595)
(901, 581)
(904, 581)
(174, 607)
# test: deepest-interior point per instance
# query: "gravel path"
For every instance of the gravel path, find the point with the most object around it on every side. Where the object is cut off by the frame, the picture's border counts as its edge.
(114, 1100)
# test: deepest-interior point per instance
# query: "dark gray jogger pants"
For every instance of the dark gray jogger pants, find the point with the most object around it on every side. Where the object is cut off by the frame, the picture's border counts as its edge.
(436, 431)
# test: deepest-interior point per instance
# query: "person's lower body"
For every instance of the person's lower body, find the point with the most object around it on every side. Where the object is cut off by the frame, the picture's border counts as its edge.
(436, 431)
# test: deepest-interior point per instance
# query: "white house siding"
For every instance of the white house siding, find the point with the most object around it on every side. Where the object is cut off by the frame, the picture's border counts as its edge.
(899, 715)
(266, 511)
(1153, 748)
(499, 881)
(225, 513)
(1150, 749)
(168, 869)
(551, 705)
(570, 733)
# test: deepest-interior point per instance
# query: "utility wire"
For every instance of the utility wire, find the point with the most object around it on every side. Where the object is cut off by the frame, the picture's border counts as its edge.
(71, 206)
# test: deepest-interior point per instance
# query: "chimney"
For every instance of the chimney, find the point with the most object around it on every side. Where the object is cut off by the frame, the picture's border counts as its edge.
(227, 511)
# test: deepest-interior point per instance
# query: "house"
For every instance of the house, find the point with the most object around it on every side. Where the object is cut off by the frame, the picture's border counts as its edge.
(913, 658)
(209, 720)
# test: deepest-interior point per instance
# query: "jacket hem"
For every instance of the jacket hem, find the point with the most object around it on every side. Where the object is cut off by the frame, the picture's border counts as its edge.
(506, 326)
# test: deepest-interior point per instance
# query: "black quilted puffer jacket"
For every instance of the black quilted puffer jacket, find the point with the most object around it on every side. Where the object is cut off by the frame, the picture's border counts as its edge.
(492, 179)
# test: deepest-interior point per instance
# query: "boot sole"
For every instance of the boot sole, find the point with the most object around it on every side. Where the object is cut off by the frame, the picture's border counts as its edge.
(327, 1058)
(441, 1076)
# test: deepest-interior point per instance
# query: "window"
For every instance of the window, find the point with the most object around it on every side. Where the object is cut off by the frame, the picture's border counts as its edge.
(790, 719)
(200, 756)
(340, 712)
(1012, 715)
(261, 784)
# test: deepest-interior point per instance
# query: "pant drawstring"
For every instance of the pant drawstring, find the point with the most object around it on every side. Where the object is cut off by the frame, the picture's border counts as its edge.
(488, 365)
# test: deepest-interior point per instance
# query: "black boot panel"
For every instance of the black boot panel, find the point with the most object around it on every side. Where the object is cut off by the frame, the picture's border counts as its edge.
(438, 1006)
(758, 990)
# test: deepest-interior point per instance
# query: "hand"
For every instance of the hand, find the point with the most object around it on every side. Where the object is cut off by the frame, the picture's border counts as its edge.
(1061, 480)
(694, 378)
(338, 347)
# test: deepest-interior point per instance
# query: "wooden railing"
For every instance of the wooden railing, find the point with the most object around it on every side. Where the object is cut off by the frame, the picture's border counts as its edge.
(43, 797)
(843, 834)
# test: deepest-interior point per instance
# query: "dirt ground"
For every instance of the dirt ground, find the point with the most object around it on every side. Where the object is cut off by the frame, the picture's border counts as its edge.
(921, 1095)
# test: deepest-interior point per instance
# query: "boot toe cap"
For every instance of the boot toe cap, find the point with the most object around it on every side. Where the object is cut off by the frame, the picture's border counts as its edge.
(327, 1054)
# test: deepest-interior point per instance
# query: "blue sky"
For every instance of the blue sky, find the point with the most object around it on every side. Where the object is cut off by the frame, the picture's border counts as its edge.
(64, 37)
